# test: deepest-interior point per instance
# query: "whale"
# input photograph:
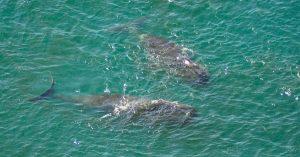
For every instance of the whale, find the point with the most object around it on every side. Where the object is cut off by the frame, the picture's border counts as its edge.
(173, 59)
(137, 108)
(166, 55)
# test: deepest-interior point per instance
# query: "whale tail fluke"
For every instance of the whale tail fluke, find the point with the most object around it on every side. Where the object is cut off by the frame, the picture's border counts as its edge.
(47, 94)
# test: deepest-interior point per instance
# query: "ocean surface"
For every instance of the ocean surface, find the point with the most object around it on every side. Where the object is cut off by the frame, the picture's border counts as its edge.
(249, 107)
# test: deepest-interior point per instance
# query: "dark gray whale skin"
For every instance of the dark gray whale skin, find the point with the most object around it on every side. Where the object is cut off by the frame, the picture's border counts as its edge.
(139, 108)
(134, 107)
(171, 58)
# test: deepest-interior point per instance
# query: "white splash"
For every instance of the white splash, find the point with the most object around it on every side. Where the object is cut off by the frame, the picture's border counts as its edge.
(106, 90)
(286, 91)
(76, 142)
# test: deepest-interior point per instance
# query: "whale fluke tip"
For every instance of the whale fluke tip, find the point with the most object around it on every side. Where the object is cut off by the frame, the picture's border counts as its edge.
(48, 93)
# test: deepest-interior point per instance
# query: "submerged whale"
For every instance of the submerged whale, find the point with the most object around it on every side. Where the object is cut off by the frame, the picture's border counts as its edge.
(165, 54)
(134, 107)
(171, 57)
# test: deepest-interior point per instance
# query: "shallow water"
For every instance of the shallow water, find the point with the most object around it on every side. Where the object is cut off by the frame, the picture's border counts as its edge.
(250, 107)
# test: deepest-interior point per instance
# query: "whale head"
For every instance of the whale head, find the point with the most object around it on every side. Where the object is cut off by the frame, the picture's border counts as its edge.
(193, 72)
(203, 78)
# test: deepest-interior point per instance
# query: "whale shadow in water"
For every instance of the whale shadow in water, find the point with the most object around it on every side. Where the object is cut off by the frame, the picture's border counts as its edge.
(129, 108)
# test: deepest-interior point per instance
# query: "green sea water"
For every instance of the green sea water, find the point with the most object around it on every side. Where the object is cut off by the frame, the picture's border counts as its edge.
(250, 106)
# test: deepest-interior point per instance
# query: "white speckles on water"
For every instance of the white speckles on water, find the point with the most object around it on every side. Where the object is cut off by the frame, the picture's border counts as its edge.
(113, 47)
(106, 90)
(226, 70)
(174, 34)
(76, 142)
(136, 77)
(124, 87)
(105, 116)
(286, 91)
(90, 126)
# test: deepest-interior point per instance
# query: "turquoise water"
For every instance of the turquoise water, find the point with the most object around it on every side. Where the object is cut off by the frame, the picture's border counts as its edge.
(250, 107)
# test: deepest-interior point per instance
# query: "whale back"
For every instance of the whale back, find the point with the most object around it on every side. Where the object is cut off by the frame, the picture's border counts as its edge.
(170, 57)
(141, 109)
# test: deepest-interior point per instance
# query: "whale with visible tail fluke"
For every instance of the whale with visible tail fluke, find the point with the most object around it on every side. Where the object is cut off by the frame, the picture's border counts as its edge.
(135, 107)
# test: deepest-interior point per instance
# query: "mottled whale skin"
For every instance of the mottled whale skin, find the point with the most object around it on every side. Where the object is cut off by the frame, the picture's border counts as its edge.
(136, 107)
(172, 59)
(131, 106)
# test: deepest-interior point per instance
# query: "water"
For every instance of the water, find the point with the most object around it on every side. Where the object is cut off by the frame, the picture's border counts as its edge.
(249, 108)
